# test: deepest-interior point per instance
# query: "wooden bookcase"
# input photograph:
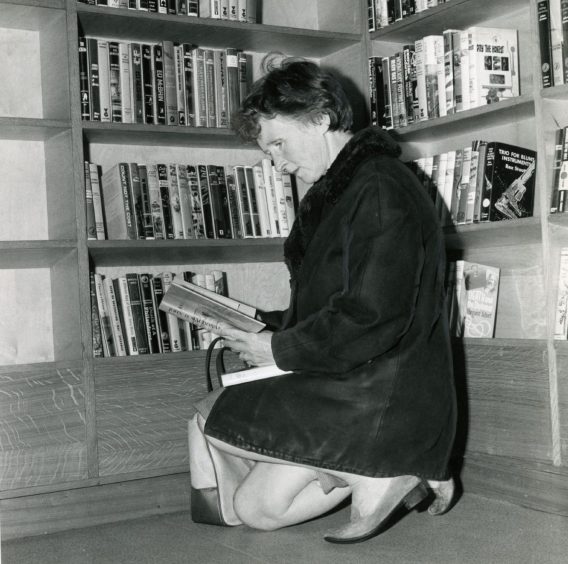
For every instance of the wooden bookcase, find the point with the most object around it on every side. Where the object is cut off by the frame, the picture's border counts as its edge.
(94, 440)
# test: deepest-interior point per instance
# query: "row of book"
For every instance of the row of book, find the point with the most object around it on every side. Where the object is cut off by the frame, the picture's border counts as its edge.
(559, 201)
(552, 18)
(381, 13)
(472, 298)
(177, 201)
(161, 83)
(443, 74)
(127, 319)
(245, 11)
(485, 181)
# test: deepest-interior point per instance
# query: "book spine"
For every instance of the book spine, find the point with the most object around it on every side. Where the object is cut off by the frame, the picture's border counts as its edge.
(395, 101)
(189, 85)
(185, 202)
(252, 11)
(193, 8)
(455, 197)
(244, 62)
(223, 216)
(89, 207)
(172, 321)
(479, 180)
(556, 43)
(148, 82)
(94, 86)
(464, 185)
(155, 196)
(210, 95)
(137, 308)
(555, 205)
(373, 90)
(543, 18)
(161, 316)
(487, 182)
(175, 205)
(115, 320)
(137, 83)
(196, 204)
(170, 88)
(125, 83)
(255, 214)
(84, 79)
(136, 200)
(159, 86)
(104, 80)
(97, 340)
(407, 81)
(421, 80)
(280, 202)
(180, 84)
(206, 204)
(127, 316)
(165, 200)
(94, 177)
(244, 205)
(464, 66)
(271, 197)
(236, 219)
(288, 189)
(262, 201)
(147, 220)
(106, 328)
(199, 87)
(114, 81)
(149, 313)
(474, 161)
(232, 74)
(220, 88)
(564, 20)
(242, 8)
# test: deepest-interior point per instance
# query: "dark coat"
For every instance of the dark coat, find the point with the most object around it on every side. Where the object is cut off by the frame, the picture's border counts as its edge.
(366, 332)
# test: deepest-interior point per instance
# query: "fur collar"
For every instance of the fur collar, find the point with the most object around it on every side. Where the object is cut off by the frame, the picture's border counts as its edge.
(328, 190)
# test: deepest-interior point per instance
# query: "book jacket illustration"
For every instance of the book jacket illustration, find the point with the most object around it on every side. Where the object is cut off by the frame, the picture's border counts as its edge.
(480, 290)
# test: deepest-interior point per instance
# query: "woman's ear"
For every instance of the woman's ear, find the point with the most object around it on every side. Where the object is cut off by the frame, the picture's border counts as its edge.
(323, 121)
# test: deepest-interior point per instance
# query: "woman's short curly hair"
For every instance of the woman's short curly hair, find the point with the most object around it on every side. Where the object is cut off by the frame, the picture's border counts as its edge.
(294, 88)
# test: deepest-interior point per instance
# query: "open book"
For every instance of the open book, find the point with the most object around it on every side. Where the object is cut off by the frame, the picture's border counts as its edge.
(251, 374)
(205, 308)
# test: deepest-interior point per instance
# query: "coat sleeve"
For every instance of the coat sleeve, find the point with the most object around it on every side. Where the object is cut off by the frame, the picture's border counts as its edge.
(382, 260)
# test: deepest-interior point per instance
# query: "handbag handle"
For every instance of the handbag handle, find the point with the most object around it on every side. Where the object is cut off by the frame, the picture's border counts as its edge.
(219, 364)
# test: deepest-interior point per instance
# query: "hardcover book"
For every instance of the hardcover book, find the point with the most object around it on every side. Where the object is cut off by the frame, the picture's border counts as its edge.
(206, 310)
(509, 182)
(118, 207)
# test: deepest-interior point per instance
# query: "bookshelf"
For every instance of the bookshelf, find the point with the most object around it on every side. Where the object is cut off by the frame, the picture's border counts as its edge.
(110, 433)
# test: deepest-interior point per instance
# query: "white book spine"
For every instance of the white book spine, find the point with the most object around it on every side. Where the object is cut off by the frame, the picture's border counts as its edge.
(132, 343)
(441, 75)
(106, 327)
(173, 324)
(271, 197)
(242, 8)
(556, 41)
(464, 66)
(104, 80)
(175, 205)
(262, 202)
(116, 325)
(420, 80)
(280, 202)
(125, 82)
(170, 83)
(180, 85)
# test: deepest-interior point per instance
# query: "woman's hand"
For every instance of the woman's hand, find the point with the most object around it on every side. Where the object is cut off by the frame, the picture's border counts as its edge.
(254, 348)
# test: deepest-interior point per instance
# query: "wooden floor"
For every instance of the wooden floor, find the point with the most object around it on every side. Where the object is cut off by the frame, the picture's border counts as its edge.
(476, 531)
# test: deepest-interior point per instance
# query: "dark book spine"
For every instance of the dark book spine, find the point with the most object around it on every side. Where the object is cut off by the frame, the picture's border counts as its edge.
(244, 201)
(137, 82)
(371, 15)
(84, 79)
(233, 96)
(564, 20)
(137, 308)
(171, 7)
(95, 320)
(160, 85)
(153, 6)
(165, 195)
(543, 17)
(236, 221)
(407, 83)
(244, 75)
(210, 95)
(148, 81)
(206, 202)
(149, 313)
(147, 219)
(558, 200)
(114, 69)
(486, 189)
(94, 86)
(162, 317)
(188, 77)
(196, 206)
(144, 5)
(90, 209)
(136, 199)
(222, 206)
(387, 106)
(397, 7)
(373, 91)
(116, 288)
(255, 215)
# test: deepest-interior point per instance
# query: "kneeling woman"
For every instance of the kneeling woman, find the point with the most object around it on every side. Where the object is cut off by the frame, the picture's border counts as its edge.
(369, 410)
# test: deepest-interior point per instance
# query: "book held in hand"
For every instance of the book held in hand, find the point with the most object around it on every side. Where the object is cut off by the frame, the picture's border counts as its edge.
(252, 374)
(206, 309)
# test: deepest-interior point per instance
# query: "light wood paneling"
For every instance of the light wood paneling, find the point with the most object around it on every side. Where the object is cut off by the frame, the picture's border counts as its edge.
(503, 400)
(42, 422)
(143, 409)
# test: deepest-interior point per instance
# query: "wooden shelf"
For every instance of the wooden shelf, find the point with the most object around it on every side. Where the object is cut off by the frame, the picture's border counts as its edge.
(559, 92)
(504, 112)
(505, 233)
(162, 135)
(51, 4)
(536, 344)
(31, 129)
(454, 14)
(187, 251)
(34, 254)
(558, 219)
(139, 26)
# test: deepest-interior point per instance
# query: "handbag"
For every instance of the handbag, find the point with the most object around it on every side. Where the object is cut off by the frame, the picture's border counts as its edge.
(215, 475)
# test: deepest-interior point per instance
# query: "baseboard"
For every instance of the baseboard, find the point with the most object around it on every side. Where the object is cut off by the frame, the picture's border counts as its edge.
(95, 505)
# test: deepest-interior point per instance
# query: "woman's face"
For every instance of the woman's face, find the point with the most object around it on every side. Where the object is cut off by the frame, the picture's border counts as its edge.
(296, 147)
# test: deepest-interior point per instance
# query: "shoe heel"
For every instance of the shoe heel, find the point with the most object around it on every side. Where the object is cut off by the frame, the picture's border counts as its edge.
(415, 496)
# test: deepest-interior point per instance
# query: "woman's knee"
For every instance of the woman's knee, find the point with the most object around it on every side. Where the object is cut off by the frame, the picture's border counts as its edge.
(254, 511)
